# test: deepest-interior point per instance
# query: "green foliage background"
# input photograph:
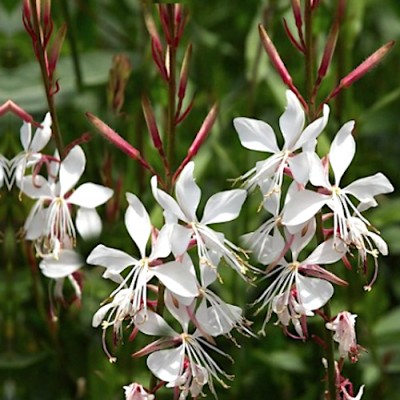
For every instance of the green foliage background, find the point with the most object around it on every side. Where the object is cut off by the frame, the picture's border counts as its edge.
(228, 66)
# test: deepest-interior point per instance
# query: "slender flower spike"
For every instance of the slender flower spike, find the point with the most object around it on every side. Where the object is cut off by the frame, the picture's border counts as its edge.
(178, 276)
(258, 135)
(221, 207)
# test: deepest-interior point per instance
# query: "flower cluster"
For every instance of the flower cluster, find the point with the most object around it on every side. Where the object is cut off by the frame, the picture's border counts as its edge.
(184, 258)
(50, 222)
(316, 210)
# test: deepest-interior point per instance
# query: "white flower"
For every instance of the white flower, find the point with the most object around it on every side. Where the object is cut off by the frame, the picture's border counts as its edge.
(178, 276)
(356, 397)
(50, 219)
(312, 292)
(221, 207)
(32, 146)
(344, 327)
(258, 135)
(136, 392)
(307, 203)
(169, 365)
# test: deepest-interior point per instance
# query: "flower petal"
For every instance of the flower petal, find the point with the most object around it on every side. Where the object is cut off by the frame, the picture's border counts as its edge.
(313, 292)
(137, 222)
(67, 262)
(292, 120)
(166, 364)
(167, 202)
(88, 223)
(90, 195)
(42, 135)
(256, 135)
(223, 206)
(187, 192)
(113, 259)
(325, 253)
(342, 151)
(35, 187)
(153, 324)
(25, 135)
(71, 169)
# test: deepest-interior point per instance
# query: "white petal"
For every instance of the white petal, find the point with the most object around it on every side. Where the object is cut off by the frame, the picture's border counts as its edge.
(115, 260)
(179, 237)
(313, 292)
(152, 324)
(319, 176)
(88, 223)
(162, 246)
(292, 120)
(187, 192)
(312, 131)
(42, 135)
(178, 277)
(223, 206)
(99, 315)
(325, 253)
(302, 238)
(137, 222)
(90, 195)
(166, 201)
(302, 207)
(39, 188)
(166, 364)
(300, 167)
(67, 262)
(365, 189)
(25, 135)
(342, 150)
(256, 135)
(379, 243)
(71, 169)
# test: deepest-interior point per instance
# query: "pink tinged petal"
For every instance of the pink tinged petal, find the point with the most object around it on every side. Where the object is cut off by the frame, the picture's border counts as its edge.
(300, 167)
(25, 135)
(36, 187)
(179, 278)
(312, 131)
(187, 192)
(99, 315)
(292, 120)
(256, 135)
(325, 253)
(88, 223)
(166, 201)
(313, 293)
(113, 259)
(166, 364)
(90, 195)
(318, 174)
(153, 324)
(162, 246)
(302, 207)
(223, 206)
(365, 189)
(137, 223)
(42, 135)
(67, 263)
(71, 169)
(342, 150)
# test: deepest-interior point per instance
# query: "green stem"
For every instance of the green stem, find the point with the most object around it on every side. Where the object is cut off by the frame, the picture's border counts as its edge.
(71, 36)
(47, 86)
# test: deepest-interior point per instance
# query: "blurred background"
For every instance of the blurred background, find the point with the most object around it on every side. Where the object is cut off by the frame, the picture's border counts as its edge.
(65, 360)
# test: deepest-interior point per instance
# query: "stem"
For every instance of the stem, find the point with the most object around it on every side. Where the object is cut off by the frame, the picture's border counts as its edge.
(43, 68)
(309, 59)
(71, 35)
(171, 96)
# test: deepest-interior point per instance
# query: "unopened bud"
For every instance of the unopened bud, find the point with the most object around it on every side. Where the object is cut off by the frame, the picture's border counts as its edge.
(184, 72)
(152, 124)
(118, 77)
